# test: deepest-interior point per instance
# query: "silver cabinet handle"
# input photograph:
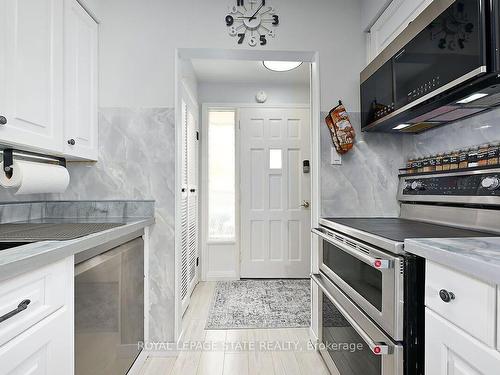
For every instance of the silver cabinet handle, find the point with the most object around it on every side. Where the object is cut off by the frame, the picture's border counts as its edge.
(377, 263)
(376, 348)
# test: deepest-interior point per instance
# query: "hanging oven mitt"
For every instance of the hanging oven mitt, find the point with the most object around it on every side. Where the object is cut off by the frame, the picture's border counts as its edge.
(341, 129)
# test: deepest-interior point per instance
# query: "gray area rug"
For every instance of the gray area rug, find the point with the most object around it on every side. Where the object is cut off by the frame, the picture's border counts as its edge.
(260, 304)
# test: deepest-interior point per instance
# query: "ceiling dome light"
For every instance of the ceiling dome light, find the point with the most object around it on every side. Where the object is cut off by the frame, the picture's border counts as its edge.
(281, 66)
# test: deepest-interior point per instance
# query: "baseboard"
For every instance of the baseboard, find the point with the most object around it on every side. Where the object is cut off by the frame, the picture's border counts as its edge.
(221, 276)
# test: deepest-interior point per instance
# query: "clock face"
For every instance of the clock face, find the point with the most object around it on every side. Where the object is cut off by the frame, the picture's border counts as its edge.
(252, 22)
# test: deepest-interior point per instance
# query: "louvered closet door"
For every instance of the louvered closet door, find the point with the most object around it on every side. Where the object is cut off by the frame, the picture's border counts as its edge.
(184, 276)
(192, 131)
(189, 204)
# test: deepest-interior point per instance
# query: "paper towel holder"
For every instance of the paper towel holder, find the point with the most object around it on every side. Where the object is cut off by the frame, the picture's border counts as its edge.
(9, 153)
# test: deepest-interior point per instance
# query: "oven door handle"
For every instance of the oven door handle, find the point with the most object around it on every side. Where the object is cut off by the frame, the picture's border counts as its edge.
(377, 348)
(376, 263)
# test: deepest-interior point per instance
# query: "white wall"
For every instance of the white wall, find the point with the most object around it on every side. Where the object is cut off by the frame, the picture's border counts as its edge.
(139, 38)
(245, 93)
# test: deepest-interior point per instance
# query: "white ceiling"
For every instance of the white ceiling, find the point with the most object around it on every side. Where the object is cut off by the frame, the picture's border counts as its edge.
(243, 71)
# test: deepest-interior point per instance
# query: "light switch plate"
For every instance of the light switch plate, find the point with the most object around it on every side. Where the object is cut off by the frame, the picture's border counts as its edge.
(335, 158)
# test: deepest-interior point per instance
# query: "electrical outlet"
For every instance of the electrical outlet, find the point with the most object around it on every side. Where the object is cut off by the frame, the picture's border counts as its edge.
(335, 158)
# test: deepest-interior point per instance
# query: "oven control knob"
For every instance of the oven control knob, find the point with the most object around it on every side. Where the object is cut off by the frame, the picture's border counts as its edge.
(417, 185)
(490, 183)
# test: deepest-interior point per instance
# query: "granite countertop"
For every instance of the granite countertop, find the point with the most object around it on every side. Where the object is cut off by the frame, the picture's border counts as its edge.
(478, 257)
(21, 259)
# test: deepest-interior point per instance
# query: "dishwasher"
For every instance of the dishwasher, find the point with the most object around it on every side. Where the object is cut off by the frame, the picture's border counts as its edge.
(109, 310)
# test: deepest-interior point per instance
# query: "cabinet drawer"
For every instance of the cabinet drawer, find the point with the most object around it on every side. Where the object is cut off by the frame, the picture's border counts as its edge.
(45, 288)
(45, 348)
(472, 306)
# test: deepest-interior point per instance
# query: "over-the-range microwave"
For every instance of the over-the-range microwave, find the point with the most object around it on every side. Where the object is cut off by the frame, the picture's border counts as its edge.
(443, 67)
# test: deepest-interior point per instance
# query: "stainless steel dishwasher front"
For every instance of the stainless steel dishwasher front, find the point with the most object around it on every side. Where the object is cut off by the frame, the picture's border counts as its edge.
(109, 310)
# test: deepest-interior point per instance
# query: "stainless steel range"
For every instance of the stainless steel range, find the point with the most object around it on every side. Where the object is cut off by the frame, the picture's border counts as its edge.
(368, 292)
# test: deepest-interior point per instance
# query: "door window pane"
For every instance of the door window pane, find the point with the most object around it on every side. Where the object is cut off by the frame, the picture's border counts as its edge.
(275, 158)
(221, 176)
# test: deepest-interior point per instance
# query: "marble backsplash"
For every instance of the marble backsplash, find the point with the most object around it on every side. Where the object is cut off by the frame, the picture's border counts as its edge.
(26, 211)
(477, 130)
(136, 162)
(366, 183)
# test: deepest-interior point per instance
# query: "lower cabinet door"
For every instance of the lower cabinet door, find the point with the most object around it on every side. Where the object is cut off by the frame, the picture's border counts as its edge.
(46, 348)
(451, 351)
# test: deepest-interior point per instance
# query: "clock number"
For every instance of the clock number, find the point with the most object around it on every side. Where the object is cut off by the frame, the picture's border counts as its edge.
(276, 20)
(252, 41)
(263, 40)
(240, 3)
(241, 38)
(229, 20)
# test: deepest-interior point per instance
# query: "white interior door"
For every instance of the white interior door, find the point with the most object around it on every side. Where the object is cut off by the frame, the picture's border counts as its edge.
(275, 193)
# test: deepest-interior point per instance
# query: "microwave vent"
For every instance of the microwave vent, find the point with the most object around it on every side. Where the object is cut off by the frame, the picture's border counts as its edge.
(488, 101)
(458, 114)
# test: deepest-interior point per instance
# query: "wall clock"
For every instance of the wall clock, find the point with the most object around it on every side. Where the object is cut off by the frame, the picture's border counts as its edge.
(252, 22)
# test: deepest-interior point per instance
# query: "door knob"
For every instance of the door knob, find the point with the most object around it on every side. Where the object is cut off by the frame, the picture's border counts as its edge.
(71, 142)
(3, 120)
(305, 204)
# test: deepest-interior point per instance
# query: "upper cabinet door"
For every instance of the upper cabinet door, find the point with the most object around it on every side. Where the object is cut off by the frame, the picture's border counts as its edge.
(81, 82)
(31, 78)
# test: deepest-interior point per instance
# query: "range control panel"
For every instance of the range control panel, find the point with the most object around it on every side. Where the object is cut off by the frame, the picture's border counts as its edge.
(474, 186)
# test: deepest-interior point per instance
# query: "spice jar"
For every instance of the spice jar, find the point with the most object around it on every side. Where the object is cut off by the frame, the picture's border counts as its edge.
(473, 162)
(438, 162)
(429, 164)
(454, 156)
(482, 155)
(417, 165)
(463, 159)
(409, 166)
(493, 154)
(446, 162)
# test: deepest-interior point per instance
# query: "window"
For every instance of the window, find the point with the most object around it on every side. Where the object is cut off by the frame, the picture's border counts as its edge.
(221, 176)
(275, 158)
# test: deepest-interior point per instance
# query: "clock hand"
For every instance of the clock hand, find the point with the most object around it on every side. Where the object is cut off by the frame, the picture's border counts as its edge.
(261, 5)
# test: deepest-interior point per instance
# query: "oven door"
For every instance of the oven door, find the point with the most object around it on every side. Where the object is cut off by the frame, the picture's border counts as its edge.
(350, 343)
(372, 278)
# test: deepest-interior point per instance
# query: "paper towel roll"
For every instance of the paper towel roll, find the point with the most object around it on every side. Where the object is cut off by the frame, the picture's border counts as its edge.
(35, 178)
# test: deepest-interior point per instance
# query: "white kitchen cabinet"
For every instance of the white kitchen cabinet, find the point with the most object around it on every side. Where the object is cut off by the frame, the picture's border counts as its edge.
(46, 348)
(31, 73)
(392, 22)
(80, 82)
(48, 78)
(40, 338)
(473, 307)
(451, 351)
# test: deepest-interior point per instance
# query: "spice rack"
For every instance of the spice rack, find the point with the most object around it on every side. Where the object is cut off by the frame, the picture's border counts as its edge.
(475, 158)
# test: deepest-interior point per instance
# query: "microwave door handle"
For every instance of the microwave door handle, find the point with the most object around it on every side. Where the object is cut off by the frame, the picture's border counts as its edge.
(376, 263)
(375, 347)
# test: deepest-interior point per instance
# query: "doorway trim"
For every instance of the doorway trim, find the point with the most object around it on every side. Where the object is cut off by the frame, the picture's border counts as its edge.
(311, 57)
(206, 107)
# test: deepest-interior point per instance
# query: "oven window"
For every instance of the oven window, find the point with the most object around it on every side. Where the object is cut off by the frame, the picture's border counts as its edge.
(363, 278)
(347, 349)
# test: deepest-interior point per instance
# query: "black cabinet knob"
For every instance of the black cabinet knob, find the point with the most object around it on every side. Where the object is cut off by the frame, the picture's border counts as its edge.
(446, 296)
(71, 142)
(3, 120)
